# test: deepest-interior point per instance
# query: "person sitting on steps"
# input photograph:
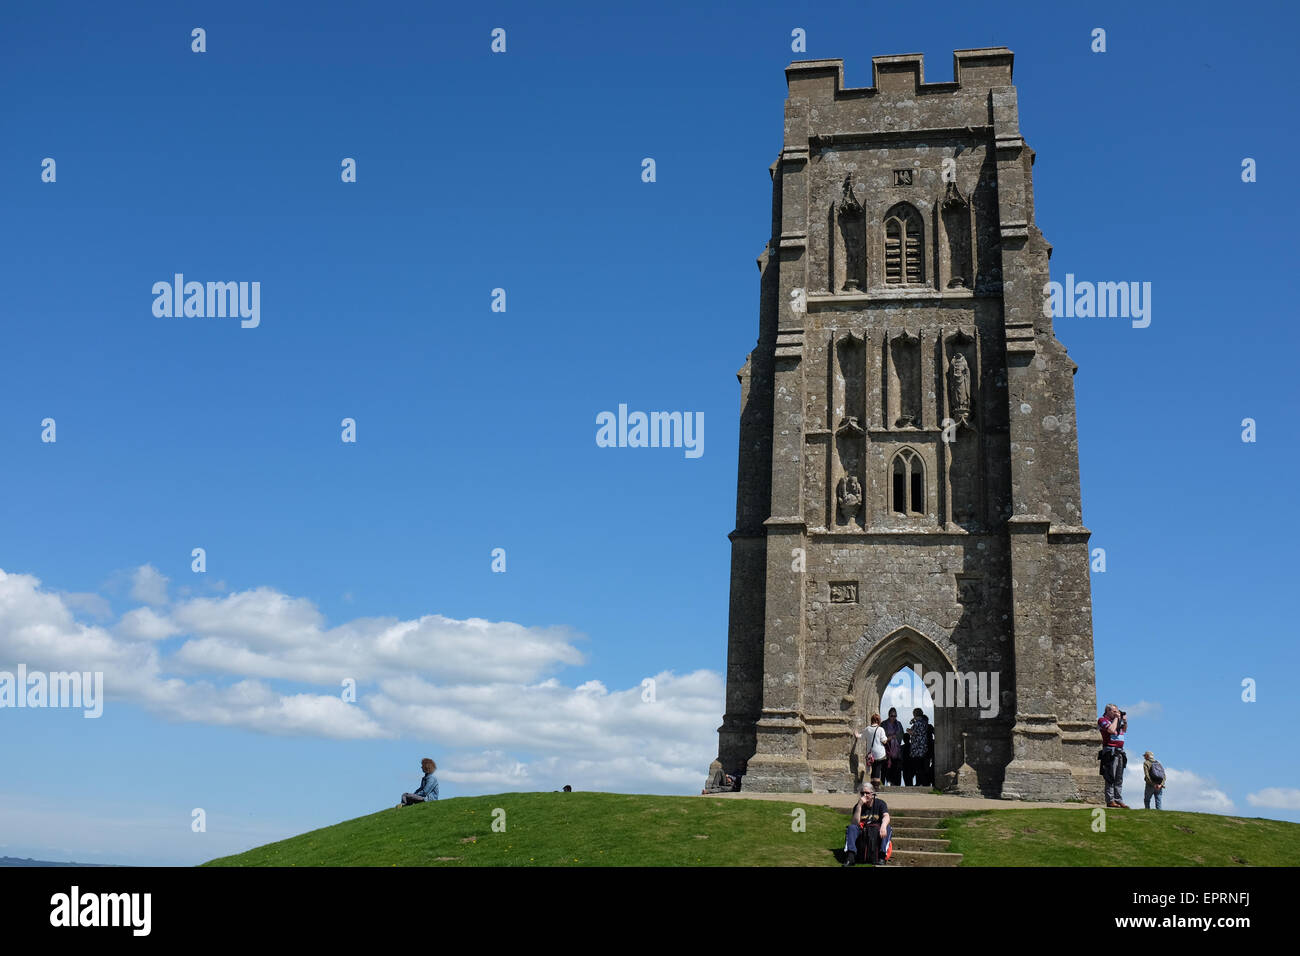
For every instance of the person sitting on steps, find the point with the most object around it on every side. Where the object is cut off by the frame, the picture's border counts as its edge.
(869, 832)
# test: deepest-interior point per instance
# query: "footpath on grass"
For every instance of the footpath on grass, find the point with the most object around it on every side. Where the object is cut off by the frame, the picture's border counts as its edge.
(905, 798)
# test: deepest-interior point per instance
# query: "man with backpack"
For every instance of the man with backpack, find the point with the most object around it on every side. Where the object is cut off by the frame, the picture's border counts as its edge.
(869, 835)
(1153, 774)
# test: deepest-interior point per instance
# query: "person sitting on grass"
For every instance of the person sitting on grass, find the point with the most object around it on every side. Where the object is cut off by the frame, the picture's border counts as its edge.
(867, 836)
(428, 789)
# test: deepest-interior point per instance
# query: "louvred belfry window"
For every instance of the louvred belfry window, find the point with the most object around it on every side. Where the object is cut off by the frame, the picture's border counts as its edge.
(904, 246)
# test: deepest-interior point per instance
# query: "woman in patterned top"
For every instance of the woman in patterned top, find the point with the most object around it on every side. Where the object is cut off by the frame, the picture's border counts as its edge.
(918, 748)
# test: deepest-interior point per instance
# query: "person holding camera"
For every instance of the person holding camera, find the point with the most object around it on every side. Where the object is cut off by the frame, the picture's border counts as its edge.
(1113, 724)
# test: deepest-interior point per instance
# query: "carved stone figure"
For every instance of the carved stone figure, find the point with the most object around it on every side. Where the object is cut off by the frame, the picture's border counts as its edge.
(956, 221)
(959, 388)
(849, 496)
(853, 228)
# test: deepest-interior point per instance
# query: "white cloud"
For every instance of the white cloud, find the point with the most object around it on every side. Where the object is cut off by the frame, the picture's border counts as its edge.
(39, 630)
(145, 624)
(149, 585)
(483, 691)
(1145, 708)
(267, 634)
(491, 769)
(1278, 798)
(252, 705)
(95, 605)
(1184, 790)
(553, 718)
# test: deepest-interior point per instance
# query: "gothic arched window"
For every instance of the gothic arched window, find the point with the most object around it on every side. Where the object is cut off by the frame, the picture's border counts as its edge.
(908, 483)
(904, 246)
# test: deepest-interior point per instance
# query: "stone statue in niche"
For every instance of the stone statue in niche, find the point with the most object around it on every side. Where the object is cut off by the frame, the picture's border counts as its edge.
(956, 221)
(853, 228)
(849, 496)
(959, 388)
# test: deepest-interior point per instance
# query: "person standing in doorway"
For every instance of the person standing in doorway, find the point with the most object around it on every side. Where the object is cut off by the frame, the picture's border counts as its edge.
(917, 758)
(875, 747)
(893, 728)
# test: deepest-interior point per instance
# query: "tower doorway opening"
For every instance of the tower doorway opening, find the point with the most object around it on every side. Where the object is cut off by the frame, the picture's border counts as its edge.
(907, 715)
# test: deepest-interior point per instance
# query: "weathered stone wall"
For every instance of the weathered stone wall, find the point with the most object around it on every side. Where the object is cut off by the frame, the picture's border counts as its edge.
(908, 489)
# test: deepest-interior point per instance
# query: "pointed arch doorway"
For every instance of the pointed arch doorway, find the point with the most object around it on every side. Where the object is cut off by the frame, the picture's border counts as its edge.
(907, 648)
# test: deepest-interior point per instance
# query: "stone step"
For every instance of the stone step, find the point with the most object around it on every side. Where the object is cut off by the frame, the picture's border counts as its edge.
(914, 823)
(912, 843)
(924, 858)
(919, 831)
(931, 814)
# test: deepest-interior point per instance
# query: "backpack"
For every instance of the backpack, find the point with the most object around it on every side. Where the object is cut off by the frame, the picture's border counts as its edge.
(1157, 772)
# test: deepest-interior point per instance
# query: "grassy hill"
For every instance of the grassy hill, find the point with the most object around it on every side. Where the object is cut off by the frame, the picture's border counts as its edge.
(566, 829)
(611, 829)
(1132, 838)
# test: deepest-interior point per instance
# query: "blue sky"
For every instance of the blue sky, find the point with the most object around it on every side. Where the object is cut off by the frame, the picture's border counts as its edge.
(475, 428)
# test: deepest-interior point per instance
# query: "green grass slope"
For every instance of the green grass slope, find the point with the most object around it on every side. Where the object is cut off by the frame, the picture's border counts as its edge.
(612, 829)
(1131, 838)
(567, 829)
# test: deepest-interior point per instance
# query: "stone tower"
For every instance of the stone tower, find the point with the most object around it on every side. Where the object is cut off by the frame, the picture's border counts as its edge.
(908, 490)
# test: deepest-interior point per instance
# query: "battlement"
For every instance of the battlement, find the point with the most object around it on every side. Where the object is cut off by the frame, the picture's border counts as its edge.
(982, 68)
